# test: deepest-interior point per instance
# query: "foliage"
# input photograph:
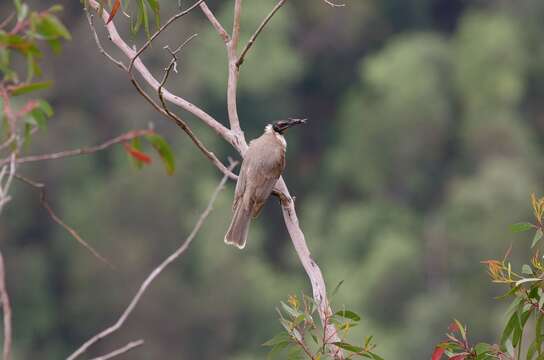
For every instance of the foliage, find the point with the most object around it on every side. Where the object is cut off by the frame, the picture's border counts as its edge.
(525, 311)
(304, 338)
(21, 44)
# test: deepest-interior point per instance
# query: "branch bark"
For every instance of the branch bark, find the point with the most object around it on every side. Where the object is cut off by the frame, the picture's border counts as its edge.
(6, 309)
(83, 151)
(43, 200)
(131, 345)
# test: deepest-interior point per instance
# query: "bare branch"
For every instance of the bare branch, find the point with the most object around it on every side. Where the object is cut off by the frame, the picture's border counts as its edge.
(258, 31)
(4, 187)
(215, 23)
(154, 274)
(148, 77)
(328, 2)
(310, 266)
(6, 309)
(84, 151)
(232, 82)
(43, 200)
(7, 20)
(182, 124)
(236, 24)
(161, 29)
(97, 40)
(131, 345)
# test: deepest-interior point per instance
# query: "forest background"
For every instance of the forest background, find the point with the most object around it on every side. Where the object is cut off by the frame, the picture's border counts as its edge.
(423, 145)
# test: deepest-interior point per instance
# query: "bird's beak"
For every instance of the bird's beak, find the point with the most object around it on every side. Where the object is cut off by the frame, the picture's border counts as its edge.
(293, 122)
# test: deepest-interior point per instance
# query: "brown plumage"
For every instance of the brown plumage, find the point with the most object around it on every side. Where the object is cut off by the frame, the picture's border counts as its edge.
(262, 166)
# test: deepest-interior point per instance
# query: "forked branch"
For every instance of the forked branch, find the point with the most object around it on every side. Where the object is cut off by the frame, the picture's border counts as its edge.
(234, 135)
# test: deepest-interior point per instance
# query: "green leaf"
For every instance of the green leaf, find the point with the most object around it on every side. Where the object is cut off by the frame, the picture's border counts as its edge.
(27, 88)
(336, 288)
(278, 339)
(520, 227)
(537, 237)
(164, 150)
(145, 17)
(294, 353)
(155, 7)
(482, 348)
(375, 356)
(45, 107)
(275, 350)
(348, 347)
(348, 315)
(41, 119)
(509, 328)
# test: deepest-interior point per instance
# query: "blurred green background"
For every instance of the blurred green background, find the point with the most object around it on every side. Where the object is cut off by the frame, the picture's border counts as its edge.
(424, 143)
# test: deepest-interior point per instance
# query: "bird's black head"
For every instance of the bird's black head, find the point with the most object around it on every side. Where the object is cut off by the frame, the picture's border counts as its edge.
(281, 125)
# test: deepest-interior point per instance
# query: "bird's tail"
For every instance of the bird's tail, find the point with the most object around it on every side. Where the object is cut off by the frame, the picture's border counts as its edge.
(239, 228)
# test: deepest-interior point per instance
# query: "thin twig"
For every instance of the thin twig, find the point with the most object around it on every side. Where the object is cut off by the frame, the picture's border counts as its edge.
(131, 345)
(7, 20)
(43, 200)
(85, 151)
(161, 29)
(6, 309)
(209, 120)
(182, 124)
(4, 187)
(258, 31)
(153, 275)
(97, 40)
(328, 2)
(215, 23)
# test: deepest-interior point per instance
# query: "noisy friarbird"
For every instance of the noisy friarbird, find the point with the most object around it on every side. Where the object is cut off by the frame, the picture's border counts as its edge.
(262, 166)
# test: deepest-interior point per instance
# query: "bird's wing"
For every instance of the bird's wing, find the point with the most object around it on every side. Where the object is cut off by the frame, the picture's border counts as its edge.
(240, 185)
(264, 175)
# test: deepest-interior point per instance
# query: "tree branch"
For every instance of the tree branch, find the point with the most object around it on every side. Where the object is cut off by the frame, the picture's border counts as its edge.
(161, 29)
(150, 79)
(182, 124)
(43, 200)
(215, 23)
(310, 266)
(6, 309)
(251, 41)
(131, 345)
(153, 275)
(233, 73)
(84, 151)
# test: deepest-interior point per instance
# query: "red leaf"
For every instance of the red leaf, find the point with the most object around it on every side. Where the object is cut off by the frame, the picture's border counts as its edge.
(459, 357)
(453, 326)
(29, 106)
(437, 354)
(137, 154)
(114, 10)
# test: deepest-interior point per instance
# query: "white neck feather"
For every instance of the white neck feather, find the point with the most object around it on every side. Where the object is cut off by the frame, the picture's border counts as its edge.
(269, 130)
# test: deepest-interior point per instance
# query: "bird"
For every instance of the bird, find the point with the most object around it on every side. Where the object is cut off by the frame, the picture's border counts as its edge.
(262, 166)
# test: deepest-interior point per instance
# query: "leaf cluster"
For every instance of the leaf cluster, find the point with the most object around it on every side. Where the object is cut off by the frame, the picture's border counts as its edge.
(303, 338)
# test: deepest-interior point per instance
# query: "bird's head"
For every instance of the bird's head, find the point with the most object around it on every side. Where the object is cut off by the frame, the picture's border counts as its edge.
(281, 125)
